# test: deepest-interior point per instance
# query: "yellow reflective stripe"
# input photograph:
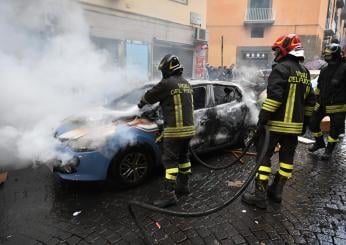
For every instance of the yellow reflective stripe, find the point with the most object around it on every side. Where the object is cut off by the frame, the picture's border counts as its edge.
(179, 129)
(317, 91)
(290, 103)
(171, 173)
(308, 110)
(271, 105)
(184, 165)
(265, 169)
(185, 172)
(172, 170)
(317, 134)
(307, 91)
(332, 140)
(170, 176)
(178, 111)
(317, 106)
(335, 108)
(286, 165)
(272, 102)
(178, 135)
(283, 173)
(284, 130)
(294, 125)
(268, 108)
(263, 177)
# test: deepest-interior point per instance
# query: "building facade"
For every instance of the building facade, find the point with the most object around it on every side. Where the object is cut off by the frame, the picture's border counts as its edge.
(139, 33)
(242, 32)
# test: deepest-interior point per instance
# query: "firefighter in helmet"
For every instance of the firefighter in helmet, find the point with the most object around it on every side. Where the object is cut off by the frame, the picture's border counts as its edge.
(175, 95)
(331, 100)
(285, 111)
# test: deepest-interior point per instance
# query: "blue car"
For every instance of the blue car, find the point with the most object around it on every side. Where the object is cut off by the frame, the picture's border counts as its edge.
(122, 144)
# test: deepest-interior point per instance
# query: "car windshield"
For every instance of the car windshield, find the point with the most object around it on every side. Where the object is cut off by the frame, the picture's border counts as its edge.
(129, 99)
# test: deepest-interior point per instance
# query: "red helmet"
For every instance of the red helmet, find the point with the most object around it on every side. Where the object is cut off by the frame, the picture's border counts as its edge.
(289, 43)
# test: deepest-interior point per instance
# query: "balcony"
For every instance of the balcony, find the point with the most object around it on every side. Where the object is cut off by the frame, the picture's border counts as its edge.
(259, 16)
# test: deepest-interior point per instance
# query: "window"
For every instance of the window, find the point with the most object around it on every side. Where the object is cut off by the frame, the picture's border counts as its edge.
(199, 97)
(257, 32)
(225, 94)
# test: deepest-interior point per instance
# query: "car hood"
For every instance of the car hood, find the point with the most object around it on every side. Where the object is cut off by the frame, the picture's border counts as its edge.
(100, 121)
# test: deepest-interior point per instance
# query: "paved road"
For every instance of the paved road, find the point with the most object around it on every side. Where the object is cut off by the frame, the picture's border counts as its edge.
(36, 208)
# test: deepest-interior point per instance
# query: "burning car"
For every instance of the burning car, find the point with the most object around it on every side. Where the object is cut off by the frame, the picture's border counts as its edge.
(122, 145)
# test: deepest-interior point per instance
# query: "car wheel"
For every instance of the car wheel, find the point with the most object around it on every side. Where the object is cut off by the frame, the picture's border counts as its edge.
(131, 167)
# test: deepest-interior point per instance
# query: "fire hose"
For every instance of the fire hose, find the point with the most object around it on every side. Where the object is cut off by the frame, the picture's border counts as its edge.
(148, 239)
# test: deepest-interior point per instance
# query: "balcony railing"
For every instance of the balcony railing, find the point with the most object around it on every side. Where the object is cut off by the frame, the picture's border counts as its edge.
(259, 16)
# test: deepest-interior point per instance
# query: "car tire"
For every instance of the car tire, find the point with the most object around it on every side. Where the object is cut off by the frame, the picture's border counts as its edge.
(131, 167)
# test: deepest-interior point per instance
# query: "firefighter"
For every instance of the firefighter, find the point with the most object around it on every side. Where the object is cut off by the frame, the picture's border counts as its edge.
(286, 112)
(331, 100)
(175, 95)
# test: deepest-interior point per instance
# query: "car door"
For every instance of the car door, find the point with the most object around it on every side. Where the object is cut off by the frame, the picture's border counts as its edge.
(202, 102)
(231, 111)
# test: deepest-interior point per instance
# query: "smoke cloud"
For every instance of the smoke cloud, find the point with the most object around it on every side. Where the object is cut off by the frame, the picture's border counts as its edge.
(49, 70)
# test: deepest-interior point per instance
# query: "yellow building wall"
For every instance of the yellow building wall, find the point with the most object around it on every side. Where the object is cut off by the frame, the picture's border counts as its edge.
(162, 9)
(226, 18)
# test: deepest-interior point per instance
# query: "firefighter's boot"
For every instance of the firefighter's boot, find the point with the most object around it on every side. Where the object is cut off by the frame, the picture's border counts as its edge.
(257, 197)
(182, 187)
(276, 188)
(319, 143)
(329, 150)
(168, 197)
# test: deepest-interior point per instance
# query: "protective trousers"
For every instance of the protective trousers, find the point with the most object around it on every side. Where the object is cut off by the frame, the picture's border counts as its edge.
(288, 144)
(337, 124)
(175, 157)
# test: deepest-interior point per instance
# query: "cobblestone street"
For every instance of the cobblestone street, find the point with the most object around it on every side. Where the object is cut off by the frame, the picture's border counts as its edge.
(36, 208)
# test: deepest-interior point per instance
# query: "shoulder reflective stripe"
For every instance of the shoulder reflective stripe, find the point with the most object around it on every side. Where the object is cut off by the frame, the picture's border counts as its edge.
(290, 103)
(332, 140)
(265, 169)
(286, 165)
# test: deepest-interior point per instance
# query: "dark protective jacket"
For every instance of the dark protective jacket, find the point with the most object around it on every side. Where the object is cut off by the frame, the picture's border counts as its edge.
(331, 88)
(175, 95)
(290, 97)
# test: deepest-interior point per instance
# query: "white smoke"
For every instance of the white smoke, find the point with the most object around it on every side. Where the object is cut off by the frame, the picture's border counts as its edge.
(49, 70)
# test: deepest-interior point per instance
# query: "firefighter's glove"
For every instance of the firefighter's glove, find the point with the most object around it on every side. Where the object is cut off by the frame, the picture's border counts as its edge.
(141, 104)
